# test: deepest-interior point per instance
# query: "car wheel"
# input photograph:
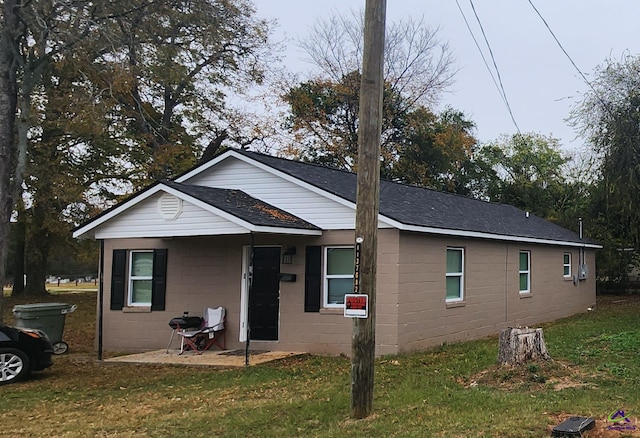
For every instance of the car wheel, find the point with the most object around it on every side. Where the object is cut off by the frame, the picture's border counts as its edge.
(14, 365)
(60, 347)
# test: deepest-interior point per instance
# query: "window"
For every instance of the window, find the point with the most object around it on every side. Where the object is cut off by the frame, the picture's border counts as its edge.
(455, 274)
(566, 265)
(338, 278)
(140, 278)
(525, 271)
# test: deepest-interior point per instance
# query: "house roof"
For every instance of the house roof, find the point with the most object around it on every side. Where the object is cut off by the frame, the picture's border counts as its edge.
(403, 206)
(425, 208)
(243, 206)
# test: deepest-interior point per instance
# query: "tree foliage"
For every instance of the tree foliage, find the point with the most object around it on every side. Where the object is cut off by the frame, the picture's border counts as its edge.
(324, 119)
(608, 116)
(165, 73)
(528, 171)
(417, 145)
(417, 65)
(436, 151)
(112, 95)
(31, 35)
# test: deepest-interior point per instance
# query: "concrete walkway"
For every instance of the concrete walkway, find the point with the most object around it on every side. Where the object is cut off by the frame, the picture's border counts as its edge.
(223, 359)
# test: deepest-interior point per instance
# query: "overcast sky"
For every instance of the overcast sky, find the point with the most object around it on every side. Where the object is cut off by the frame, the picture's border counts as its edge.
(539, 80)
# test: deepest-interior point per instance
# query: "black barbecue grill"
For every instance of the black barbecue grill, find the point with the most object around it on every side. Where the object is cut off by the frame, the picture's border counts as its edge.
(184, 322)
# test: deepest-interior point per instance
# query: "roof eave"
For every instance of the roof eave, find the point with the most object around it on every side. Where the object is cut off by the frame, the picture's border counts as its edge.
(492, 236)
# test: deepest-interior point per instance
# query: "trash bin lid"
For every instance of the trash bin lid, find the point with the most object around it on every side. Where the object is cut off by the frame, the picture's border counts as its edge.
(40, 308)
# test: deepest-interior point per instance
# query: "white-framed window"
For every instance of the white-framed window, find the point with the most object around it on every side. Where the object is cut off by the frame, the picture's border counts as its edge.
(566, 265)
(140, 278)
(455, 274)
(525, 271)
(338, 275)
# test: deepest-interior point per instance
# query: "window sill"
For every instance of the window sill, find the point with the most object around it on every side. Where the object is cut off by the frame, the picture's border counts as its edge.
(331, 311)
(525, 295)
(454, 304)
(136, 309)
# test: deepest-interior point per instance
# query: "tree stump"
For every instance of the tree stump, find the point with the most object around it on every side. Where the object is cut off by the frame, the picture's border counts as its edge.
(521, 345)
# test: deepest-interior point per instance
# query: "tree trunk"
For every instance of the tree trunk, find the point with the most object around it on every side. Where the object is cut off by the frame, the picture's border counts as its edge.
(521, 345)
(37, 249)
(8, 107)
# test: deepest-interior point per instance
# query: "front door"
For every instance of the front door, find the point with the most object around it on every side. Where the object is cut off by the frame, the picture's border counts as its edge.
(264, 294)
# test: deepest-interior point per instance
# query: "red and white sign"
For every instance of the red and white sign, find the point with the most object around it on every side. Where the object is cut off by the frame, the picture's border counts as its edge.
(356, 305)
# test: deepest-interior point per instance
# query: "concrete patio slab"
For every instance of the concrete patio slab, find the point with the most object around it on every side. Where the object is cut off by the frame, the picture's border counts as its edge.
(223, 359)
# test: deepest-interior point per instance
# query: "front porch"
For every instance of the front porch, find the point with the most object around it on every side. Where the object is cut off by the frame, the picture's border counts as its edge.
(219, 358)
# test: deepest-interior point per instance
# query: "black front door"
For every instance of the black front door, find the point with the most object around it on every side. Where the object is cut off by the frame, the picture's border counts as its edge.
(264, 296)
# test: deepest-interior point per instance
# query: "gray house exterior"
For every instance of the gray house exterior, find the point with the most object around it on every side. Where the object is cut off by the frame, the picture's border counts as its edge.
(272, 240)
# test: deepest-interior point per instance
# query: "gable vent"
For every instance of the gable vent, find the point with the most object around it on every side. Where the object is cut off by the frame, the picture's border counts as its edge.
(169, 207)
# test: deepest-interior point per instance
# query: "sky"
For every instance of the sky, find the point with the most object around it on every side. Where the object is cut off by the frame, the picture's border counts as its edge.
(539, 80)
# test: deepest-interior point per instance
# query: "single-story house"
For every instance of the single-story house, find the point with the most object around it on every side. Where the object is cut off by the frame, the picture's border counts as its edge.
(450, 268)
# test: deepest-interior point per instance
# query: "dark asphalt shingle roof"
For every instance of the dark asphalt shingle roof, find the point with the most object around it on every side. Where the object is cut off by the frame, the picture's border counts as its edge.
(422, 207)
(243, 206)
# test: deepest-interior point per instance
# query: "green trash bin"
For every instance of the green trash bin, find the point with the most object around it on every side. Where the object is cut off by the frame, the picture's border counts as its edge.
(48, 317)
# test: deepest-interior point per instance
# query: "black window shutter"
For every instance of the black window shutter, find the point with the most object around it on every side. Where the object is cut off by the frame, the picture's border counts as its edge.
(312, 278)
(118, 277)
(159, 285)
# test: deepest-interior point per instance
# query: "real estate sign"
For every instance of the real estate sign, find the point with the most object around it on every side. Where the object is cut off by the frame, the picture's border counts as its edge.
(356, 305)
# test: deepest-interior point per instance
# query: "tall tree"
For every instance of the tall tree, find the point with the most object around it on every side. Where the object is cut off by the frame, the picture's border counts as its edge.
(324, 108)
(525, 170)
(168, 72)
(9, 32)
(324, 119)
(32, 33)
(417, 64)
(608, 116)
(436, 151)
(53, 181)
(417, 146)
(153, 76)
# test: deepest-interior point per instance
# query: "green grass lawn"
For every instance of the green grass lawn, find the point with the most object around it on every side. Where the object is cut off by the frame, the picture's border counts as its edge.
(449, 391)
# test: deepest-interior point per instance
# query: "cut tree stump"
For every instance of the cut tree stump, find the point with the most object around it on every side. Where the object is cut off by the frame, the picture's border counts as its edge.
(520, 345)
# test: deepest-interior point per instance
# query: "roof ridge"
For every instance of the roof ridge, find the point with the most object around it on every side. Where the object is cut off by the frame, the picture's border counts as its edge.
(249, 153)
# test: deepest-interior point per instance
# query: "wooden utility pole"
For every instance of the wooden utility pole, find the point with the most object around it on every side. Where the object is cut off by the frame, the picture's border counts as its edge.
(363, 340)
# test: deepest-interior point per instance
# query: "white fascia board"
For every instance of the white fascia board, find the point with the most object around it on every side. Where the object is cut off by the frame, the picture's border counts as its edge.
(273, 171)
(203, 167)
(287, 231)
(490, 236)
(188, 233)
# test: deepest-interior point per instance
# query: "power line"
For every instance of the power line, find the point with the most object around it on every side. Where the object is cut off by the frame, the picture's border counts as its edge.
(495, 65)
(584, 78)
(486, 64)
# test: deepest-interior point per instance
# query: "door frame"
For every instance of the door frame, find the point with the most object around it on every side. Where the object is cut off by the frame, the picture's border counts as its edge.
(244, 292)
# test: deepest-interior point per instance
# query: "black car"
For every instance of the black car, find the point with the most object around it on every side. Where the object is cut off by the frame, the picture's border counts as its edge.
(22, 350)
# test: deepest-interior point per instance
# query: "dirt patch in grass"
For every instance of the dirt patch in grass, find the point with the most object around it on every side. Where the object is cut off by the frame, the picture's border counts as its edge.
(536, 376)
